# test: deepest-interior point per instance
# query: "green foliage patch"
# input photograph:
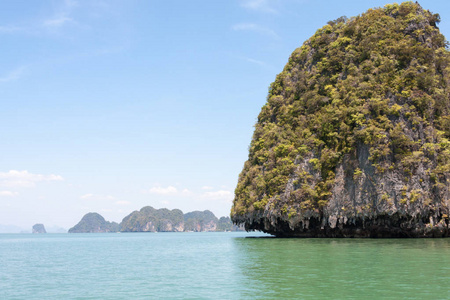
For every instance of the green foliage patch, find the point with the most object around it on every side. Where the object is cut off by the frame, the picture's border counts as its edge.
(377, 79)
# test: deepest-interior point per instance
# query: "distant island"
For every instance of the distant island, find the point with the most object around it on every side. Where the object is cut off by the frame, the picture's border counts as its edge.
(38, 228)
(149, 219)
(93, 222)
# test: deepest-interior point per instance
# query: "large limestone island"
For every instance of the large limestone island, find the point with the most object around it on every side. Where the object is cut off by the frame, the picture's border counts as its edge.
(149, 219)
(354, 138)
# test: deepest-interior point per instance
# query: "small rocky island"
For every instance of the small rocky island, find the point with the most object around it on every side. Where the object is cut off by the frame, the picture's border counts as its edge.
(149, 219)
(38, 228)
(354, 140)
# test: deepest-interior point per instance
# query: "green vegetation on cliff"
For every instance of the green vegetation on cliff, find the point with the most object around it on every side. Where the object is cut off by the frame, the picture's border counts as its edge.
(151, 219)
(225, 224)
(368, 96)
(93, 222)
(200, 221)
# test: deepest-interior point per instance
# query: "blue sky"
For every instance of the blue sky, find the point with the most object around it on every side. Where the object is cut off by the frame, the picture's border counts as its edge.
(109, 106)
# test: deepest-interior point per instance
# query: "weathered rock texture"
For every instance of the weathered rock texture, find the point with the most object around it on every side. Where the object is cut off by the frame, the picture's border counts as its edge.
(198, 221)
(354, 138)
(149, 219)
(165, 220)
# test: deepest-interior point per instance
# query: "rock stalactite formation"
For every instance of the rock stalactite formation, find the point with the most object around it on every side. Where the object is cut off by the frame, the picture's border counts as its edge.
(354, 138)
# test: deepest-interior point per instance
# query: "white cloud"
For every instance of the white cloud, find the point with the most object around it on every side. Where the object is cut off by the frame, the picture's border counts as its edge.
(10, 29)
(8, 194)
(13, 75)
(255, 28)
(170, 190)
(259, 5)
(70, 3)
(14, 178)
(58, 21)
(122, 202)
(219, 195)
(62, 15)
(96, 197)
(186, 192)
(254, 61)
(207, 187)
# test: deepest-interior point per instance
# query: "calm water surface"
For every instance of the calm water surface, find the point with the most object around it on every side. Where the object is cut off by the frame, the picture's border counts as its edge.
(220, 266)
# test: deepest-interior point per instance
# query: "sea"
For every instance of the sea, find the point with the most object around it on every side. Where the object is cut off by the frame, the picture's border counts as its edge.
(220, 265)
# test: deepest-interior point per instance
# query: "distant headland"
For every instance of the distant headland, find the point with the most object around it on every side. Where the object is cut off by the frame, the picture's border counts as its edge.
(38, 228)
(149, 219)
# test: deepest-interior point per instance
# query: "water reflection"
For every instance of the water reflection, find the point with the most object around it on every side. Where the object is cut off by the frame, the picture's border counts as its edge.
(344, 268)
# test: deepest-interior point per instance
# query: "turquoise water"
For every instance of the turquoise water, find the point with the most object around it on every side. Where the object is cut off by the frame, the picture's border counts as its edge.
(220, 266)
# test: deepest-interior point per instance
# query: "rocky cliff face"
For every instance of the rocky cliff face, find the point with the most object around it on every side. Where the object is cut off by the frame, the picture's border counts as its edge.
(199, 221)
(354, 138)
(38, 228)
(164, 220)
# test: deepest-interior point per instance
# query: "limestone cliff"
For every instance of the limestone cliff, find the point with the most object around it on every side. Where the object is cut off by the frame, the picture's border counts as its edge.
(149, 219)
(198, 221)
(354, 138)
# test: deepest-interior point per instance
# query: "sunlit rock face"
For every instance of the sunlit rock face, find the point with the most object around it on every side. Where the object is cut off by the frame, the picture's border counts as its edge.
(354, 138)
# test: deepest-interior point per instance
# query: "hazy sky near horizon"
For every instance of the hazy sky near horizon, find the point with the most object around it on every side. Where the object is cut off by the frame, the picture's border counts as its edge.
(109, 106)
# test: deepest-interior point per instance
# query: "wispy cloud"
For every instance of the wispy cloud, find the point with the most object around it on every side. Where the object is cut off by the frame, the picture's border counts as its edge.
(207, 187)
(170, 190)
(8, 194)
(70, 3)
(222, 195)
(10, 29)
(186, 192)
(259, 5)
(122, 202)
(62, 15)
(15, 178)
(57, 21)
(254, 61)
(13, 75)
(86, 196)
(96, 197)
(255, 28)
